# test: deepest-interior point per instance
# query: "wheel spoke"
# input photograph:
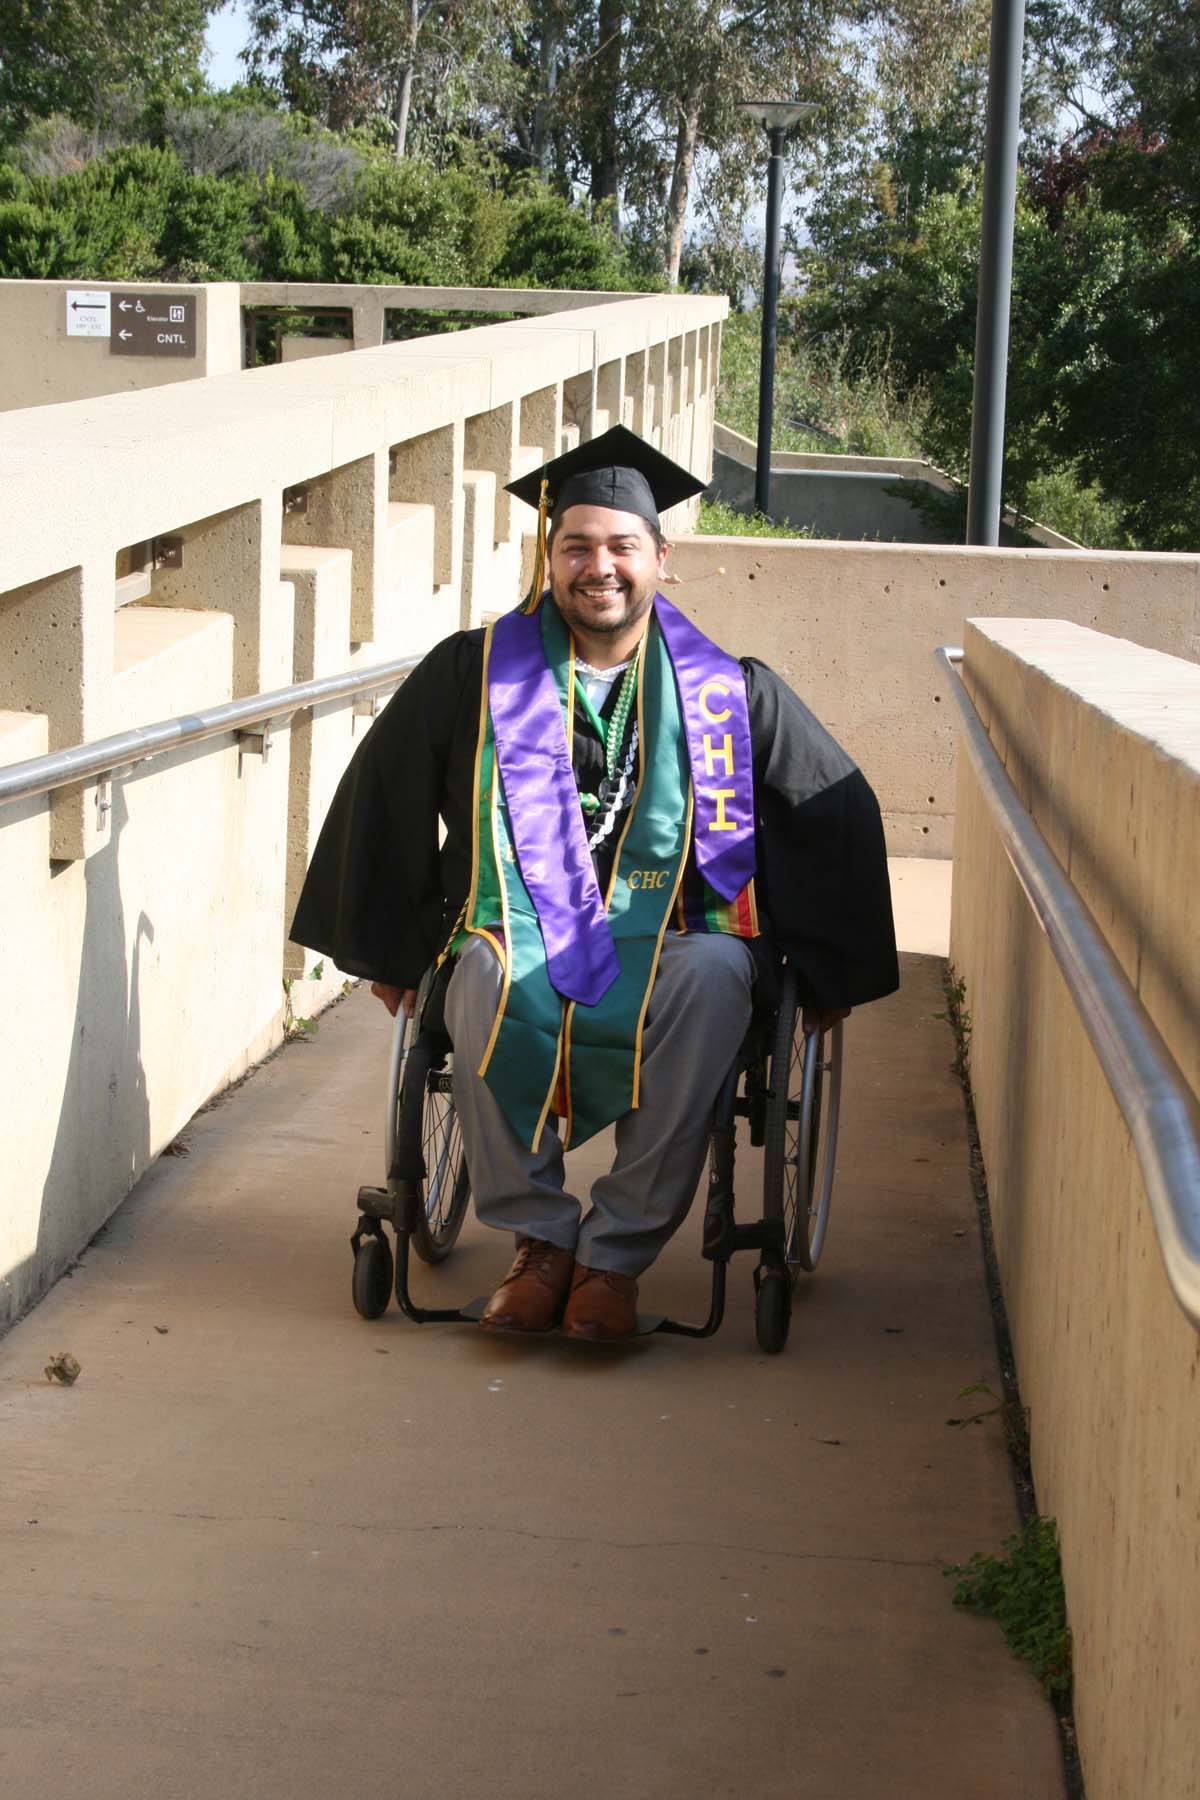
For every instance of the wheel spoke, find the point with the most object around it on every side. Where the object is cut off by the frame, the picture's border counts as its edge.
(442, 1150)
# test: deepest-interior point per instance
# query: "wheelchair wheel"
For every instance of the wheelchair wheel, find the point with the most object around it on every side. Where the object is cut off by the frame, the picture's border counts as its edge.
(372, 1279)
(426, 1117)
(800, 1147)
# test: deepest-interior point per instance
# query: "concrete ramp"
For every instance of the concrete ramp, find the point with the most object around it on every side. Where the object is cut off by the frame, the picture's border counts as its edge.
(262, 1548)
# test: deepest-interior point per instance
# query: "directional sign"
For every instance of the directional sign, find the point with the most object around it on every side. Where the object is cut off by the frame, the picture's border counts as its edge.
(88, 313)
(153, 325)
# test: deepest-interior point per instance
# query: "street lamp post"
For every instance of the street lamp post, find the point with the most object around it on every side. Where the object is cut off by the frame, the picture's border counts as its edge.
(778, 116)
(986, 481)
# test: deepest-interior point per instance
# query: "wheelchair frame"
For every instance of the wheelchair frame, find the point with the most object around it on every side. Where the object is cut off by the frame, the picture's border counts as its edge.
(785, 1082)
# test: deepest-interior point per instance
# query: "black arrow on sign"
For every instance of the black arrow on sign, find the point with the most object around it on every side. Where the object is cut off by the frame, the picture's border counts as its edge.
(87, 306)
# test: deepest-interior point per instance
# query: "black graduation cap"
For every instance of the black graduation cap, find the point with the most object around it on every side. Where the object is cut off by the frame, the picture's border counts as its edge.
(617, 470)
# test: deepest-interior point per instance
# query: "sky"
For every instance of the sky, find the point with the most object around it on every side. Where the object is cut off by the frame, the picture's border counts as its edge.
(226, 35)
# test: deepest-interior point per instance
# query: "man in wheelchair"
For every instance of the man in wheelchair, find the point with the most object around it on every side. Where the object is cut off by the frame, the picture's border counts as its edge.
(637, 826)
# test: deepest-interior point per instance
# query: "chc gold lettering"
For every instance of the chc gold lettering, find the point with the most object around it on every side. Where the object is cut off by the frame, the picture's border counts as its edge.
(722, 752)
(714, 687)
(648, 878)
(721, 823)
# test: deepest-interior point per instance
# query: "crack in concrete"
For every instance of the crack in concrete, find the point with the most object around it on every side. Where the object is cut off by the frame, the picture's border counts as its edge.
(549, 1537)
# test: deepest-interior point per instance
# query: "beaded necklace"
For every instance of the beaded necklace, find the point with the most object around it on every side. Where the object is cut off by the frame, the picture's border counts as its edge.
(611, 735)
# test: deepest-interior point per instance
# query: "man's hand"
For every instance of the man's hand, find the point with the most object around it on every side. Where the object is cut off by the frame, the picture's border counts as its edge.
(394, 998)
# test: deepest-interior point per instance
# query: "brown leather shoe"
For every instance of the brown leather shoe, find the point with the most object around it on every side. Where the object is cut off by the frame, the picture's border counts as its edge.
(602, 1305)
(531, 1295)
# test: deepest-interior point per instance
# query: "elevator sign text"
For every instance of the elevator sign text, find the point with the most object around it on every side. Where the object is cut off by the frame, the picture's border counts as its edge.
(153, 325)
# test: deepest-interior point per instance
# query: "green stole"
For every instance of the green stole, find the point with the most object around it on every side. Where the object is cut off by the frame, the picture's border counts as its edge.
(544, 1055)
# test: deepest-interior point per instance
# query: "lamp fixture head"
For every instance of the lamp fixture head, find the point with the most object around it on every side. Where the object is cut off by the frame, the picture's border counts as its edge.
(779, 115)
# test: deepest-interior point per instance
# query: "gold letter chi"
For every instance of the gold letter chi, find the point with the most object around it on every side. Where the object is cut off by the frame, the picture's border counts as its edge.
(722, 752)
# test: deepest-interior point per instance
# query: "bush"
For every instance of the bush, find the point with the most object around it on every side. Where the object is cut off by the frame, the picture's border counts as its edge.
(289, 240)
(553, 244)
(412, 223)
(226, 212)
(208, 229)
(367, 250)
(823, 401)
(237, 136)
(1080, 510)
(116, 213)
(33, 244)
(59, 146)
(719, 519)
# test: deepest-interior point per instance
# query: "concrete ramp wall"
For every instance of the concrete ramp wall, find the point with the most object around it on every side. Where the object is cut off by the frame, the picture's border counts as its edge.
(167, 550)
(1102, 740)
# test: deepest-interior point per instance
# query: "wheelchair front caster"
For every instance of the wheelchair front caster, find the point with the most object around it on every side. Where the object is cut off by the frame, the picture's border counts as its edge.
(772, 1308)
(373, 1273)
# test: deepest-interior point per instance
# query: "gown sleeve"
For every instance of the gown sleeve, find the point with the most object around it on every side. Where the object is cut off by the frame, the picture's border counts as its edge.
(823, 874)
(374, 898)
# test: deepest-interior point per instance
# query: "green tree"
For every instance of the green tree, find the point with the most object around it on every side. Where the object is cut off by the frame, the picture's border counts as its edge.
(418, 70)
(96, 60)
(654, 108)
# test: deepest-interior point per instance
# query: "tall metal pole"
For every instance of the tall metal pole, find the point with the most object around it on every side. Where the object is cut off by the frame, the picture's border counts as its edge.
(995, 272)
(766, 377)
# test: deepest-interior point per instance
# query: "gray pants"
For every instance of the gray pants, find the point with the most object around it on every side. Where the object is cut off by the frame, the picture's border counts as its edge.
(698, 1014)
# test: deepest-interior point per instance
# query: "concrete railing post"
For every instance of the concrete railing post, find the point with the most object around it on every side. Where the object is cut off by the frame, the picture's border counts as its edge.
(230, 563)
(491, 441)
(56, 658)
(429, 468)
(610, 379)
(542, 420)
(346, 508)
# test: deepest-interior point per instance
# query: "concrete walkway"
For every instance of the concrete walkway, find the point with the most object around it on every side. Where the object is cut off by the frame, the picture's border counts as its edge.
(262, 1548)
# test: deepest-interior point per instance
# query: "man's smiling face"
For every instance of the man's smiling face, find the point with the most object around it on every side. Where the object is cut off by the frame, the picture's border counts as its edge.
(605, 569)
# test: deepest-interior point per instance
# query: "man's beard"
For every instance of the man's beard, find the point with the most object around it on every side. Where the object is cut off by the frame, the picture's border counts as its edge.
(574, 608)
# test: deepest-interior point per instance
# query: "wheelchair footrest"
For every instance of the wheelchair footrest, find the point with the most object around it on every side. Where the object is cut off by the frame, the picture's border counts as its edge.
(647, 1323)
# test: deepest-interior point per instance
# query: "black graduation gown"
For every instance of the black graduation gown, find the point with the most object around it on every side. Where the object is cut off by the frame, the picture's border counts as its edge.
(382, 894)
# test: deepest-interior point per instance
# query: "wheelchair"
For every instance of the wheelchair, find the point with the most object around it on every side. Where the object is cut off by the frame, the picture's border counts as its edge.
(785, 1084)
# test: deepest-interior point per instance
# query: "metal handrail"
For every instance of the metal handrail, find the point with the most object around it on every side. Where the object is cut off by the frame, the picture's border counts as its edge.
(1147, 1083)
(104, 756)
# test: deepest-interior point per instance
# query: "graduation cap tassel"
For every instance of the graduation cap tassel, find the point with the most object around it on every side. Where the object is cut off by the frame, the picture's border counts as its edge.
(533, 598)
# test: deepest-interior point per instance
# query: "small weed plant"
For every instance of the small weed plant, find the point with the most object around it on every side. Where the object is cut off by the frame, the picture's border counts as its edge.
(294, 1024)
(1022, 1589)
(1014, 1422)
(958, 1018)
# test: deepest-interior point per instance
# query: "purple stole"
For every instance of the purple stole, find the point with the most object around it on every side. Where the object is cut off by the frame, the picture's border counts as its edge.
(548, 830)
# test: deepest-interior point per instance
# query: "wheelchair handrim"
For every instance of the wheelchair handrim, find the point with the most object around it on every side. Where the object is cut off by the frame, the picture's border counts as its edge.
(808, 1234)
(399, 1051)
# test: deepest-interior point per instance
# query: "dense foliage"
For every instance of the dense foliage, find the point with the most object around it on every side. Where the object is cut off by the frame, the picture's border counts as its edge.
(96, 60)
(603, 145)
(821, 402)
(1103, 414)
(161, 211)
